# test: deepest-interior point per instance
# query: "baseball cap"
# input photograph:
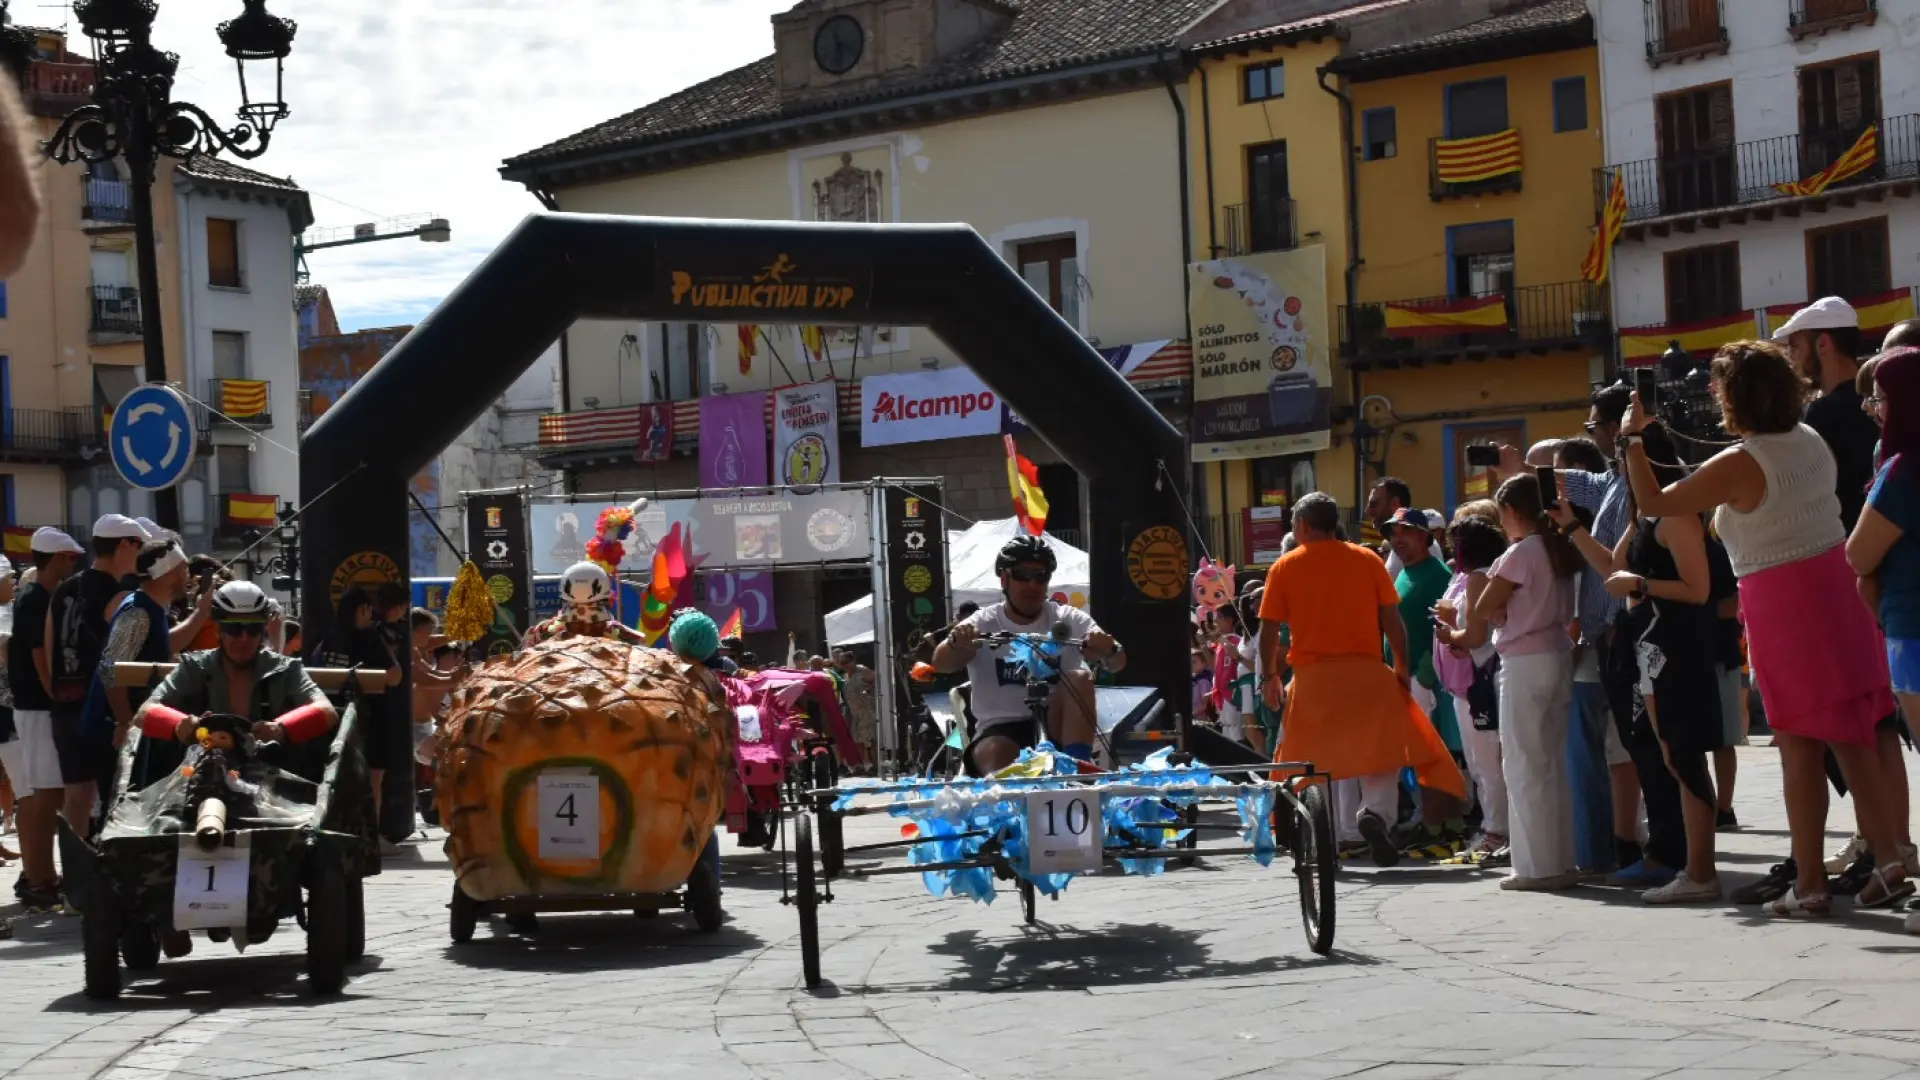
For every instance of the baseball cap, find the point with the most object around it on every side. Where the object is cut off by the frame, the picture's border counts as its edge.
(119, 527)
(48, 540)
(1414, 519)
(1826, 313)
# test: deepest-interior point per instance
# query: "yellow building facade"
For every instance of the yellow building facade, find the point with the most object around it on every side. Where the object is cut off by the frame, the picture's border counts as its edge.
(1472, 322)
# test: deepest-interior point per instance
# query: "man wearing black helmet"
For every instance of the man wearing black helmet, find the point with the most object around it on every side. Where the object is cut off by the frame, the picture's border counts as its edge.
(1002, 726)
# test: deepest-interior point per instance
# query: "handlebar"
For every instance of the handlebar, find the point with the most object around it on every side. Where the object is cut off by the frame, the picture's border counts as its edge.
(1004, 637)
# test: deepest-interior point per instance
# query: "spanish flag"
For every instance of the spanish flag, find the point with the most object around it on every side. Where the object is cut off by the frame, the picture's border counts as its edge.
(1600, 256)
(1464, 161)
(1858, 159)
(815, 340)
(241, 398)
(735, 626)
(1029, 502)
(747, 333)
(1643, 345)
(257, 511)
(19, 544)
(1461, 315)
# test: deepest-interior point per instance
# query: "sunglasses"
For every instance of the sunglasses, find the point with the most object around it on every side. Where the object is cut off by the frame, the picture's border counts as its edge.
(1021, 573)
(242, 629)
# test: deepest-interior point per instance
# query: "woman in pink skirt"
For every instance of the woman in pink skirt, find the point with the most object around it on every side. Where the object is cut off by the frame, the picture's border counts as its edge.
(1816, 652)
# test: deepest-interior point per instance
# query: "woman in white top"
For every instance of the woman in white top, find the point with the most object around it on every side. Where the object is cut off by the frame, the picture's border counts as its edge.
(1816, 652)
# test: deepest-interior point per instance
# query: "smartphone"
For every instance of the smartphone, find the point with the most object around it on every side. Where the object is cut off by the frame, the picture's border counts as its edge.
(1646, 384)
(206, 580)
(1483, 457)
(1549, 486)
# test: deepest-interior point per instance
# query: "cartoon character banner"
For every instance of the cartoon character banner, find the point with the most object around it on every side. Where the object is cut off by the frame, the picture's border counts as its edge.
(806, 436)
(1262, 373)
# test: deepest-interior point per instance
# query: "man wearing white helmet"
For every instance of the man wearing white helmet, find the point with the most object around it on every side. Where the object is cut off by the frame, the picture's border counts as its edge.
(585, 593)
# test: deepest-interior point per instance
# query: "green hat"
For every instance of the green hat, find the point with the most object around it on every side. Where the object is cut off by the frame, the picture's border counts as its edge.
(694, 636)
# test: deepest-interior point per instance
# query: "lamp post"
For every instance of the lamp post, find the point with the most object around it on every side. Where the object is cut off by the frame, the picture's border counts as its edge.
(285, 566)
(133, 116)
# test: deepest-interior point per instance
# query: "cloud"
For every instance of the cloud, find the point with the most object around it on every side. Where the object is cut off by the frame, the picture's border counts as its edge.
(408, 106)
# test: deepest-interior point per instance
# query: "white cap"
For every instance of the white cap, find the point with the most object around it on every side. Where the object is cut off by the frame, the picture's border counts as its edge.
(154, 531)
(120, 527)
(48, 540)
(1826, 313)
(1436, 521)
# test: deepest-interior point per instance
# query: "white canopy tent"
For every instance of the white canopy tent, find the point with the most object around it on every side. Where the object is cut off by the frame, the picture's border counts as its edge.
(970, 556)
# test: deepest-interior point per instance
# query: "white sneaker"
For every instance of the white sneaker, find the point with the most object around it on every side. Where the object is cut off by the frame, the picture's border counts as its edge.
(1845, 857)
(1684, 890)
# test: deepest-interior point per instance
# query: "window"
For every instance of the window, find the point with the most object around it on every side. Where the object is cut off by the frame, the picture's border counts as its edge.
(1570, 104)
(1270, 209)
(235, 464)
(1849, 260)
(1052, 268)
(684, 348)
(223, 253)
(1266, 81)
(229, 355)
(1703, 283)
(1481, 259)
(1379, 134)
(1695, 129)
(1837, 103)
(1279, 481)
(1476, 108)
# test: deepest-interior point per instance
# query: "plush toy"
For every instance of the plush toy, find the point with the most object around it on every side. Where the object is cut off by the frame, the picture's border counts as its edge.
(1212, 585)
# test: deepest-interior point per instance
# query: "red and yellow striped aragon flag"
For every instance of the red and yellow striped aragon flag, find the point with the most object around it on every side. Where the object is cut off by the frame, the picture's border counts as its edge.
(1858, 159)
(1483, 157)
(1599, 261)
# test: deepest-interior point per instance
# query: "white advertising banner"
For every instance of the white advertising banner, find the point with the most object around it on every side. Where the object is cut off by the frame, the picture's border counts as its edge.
(806, 436)
(951, 403)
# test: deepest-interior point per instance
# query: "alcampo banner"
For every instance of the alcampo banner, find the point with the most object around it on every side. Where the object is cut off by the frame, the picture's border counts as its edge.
(1262, 377)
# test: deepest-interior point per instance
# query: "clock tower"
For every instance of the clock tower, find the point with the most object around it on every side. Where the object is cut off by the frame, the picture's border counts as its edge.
(824, 48)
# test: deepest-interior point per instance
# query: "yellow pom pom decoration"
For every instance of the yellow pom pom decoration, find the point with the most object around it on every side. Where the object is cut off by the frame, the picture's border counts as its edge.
(469, 606)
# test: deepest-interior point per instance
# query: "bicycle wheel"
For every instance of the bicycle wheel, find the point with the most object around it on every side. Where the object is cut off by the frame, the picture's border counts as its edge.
(805, 899)
(1316, 861)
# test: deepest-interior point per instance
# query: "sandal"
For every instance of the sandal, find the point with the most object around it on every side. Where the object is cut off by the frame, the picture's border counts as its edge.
(1812, 906)
(1880, 892)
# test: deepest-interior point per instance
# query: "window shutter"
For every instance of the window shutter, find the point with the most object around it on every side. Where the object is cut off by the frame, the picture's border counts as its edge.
(1847, 92)
(1720, 117)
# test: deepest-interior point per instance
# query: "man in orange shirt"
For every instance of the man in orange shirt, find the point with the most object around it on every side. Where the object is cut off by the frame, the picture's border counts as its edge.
(1347, 713)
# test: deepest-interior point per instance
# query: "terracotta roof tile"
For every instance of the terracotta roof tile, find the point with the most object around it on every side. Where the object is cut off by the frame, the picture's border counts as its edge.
(1540, 17)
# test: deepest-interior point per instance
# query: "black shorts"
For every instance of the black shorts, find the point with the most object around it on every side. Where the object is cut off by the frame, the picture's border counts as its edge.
(1024, 733)
(81, 759)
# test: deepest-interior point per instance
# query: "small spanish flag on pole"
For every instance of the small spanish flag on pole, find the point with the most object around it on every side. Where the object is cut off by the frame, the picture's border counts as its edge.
(1029, 502)
(260, 511)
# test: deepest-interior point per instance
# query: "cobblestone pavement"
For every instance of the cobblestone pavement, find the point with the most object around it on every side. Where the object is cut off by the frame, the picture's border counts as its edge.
(1199, 975)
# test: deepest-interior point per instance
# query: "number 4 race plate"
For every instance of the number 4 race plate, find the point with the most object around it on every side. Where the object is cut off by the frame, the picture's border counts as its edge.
(570, 815)
(1064, 831)
(210, 887)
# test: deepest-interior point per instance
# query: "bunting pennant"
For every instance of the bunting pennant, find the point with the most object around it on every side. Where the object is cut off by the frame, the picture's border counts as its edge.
(1464, 161)
(1642, 345)
(243, 397)
(1466, 314)
(735, 626)
(1599, 261)
(1858, 159)
(1029, 502)
(1877, 313)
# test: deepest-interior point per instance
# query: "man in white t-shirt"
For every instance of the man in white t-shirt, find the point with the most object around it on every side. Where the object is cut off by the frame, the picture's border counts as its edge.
(1002, 722)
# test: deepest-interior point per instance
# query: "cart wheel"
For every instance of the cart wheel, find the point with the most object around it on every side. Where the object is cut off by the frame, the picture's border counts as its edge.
(833, 848)
(102, 945)
(140, 946)
(462, 915)
(524, 923)
(356, 919)
(703, 890)
(1316, 861)
(806, 900)
(327, 928)
(1028, 896)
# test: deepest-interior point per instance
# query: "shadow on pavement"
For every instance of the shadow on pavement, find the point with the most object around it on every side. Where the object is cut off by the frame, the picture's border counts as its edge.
(1047, 957)
(599, 942)
(203, 985)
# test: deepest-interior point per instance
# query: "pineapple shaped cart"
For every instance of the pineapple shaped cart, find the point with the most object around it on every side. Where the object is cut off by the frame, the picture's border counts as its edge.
(585, 775)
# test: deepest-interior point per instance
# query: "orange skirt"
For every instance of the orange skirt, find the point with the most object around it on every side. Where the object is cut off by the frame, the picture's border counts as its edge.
(1351, 718)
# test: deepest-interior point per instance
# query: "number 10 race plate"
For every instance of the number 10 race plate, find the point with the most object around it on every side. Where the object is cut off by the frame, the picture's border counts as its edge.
(569, 815)
(1064, 831)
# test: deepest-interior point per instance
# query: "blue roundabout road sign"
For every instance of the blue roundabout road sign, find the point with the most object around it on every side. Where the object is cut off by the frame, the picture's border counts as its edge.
(151, 437)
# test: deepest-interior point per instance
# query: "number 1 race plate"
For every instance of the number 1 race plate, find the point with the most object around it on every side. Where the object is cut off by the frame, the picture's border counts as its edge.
(569, 815)
(210, 887)
(1064, 831)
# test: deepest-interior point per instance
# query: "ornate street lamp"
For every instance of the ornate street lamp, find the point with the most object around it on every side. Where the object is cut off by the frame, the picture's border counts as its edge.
(133, 116)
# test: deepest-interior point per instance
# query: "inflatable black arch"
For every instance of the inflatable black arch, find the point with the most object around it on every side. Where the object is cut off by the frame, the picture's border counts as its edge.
(556, 268)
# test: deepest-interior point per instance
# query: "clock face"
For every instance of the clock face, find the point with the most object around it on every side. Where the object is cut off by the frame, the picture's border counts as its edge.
(837, 47)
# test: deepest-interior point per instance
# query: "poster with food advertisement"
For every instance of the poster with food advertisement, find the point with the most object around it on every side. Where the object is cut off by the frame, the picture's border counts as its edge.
(1262, 369)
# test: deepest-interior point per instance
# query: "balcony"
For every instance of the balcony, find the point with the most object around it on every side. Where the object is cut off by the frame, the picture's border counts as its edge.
(56, 88)
(243, 403)
(1533, 319)
(116, 311)
(107, 201)
(1683, 29)
(1811, 18)
(48, 436)
(1254, 228)
(1501, 150)
(1764, 177)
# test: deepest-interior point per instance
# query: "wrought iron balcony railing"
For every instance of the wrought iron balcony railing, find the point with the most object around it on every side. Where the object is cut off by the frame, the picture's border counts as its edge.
(1530, 318)
(107, 200)
(1256, 227)
(116, 309)
(1806, 17)
(1677, 28)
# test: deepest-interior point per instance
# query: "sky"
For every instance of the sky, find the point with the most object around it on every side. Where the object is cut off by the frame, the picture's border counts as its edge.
(408, 106)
